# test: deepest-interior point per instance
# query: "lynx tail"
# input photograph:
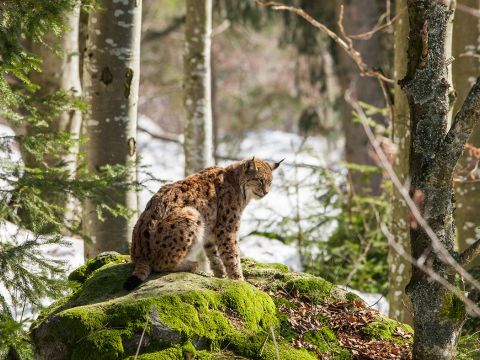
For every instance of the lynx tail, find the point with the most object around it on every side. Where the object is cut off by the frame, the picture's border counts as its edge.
(140, 273)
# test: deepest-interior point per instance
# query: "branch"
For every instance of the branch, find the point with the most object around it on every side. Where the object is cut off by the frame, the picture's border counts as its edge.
(346, 45)
(178, 139)
(468, 10)
(469, 301)
(155, 34)
(368, 35)
(439, 248)
(469, 254)
(456, 138)
(162, 136)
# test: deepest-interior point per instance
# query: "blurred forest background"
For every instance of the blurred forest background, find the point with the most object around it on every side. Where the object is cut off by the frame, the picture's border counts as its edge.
(280, 88)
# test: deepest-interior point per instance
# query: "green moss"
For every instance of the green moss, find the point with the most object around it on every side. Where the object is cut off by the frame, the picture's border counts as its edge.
(177, 352)
(251, 347)
(256, 308)
(326, 342)
(80, 322)
(83, 272)
(251, 268)
(188, 350)
(105, 285)
(167, 354)
(314, 288)
(384, 329)
(222, 317)
(351, 297)
(287, 352)
(453, 307)
(101, 345)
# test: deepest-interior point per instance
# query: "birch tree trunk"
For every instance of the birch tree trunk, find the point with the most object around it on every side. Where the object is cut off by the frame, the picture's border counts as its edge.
(111, 76)
(399, 269)
(62, 72)
(466, 35)
(438, 314)
(197, 86)
(360, 16)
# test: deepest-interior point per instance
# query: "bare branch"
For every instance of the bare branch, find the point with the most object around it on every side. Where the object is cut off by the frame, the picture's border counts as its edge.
(469, 254)
(162, 136)
(437, 245)
(345, 44)
(368, 35)
(178, 139)
(456, 138)
(469, 302)
(469, 10)
(150, 34)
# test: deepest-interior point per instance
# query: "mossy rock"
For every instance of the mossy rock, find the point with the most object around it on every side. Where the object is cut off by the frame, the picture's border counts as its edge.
(182, 316)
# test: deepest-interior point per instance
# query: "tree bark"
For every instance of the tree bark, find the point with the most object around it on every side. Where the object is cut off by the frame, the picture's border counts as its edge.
(466, 35)
(360, 16)
(111, 76)
(438, 314)
(400, 269)
(61, 72)
(197, 86)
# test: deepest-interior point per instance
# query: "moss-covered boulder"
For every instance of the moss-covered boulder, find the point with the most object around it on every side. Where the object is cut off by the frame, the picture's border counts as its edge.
(193, 316)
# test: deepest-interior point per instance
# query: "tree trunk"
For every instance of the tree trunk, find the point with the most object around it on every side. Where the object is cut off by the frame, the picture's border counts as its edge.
(466, 35)
(111, 75)
(399, 269)
(360, 16)
(197, 86)
(438, 314)
(61, 72)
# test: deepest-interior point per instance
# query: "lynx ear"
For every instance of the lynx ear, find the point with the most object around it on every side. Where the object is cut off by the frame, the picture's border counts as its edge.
(276, 165)
(251, 165)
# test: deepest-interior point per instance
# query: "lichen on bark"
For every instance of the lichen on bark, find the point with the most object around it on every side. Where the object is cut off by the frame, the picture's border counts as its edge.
(438, 318)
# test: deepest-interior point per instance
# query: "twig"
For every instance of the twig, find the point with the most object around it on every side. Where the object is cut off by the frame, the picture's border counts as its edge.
(469, 254)
(275, 343)
(368, 35)
(155, 34)
(376, 302)
(163, 136)
(442, 253)
(178, 140)
(468, 10)
(345, 44)
(141, 340)
(263, 344)
(471, 306)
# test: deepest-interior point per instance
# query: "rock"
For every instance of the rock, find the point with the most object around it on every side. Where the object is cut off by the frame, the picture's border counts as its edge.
(193, 316)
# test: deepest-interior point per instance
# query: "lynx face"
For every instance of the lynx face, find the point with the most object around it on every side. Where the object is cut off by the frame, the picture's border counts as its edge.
(257, 178)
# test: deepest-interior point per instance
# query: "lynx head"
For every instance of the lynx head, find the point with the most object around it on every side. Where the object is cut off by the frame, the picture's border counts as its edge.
(257, 178)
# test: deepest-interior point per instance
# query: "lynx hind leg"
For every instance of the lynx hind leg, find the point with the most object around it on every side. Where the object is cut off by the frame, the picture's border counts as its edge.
(174, 239)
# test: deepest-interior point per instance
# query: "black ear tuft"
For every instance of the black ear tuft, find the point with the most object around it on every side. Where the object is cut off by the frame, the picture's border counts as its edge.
(251, 166)
(276, 165)
(131, 283)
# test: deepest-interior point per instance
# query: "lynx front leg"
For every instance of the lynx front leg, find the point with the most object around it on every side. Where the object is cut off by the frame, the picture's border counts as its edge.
(229, 252)
(212, 253)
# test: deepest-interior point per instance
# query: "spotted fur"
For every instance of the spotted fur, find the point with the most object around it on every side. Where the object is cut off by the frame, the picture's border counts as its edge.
(203, 209)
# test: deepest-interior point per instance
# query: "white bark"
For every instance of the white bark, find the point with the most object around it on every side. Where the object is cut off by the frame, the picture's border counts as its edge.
(61, 72)
(197, 86)
(400, 269)
(466, 35)
(111, 76)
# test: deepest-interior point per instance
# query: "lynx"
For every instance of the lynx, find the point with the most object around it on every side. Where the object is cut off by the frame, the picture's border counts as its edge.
(203, 209)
